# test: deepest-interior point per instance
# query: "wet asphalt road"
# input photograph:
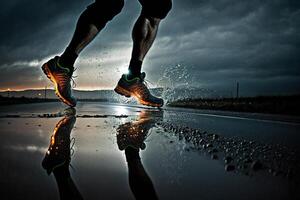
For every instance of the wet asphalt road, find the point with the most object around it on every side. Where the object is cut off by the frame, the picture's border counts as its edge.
(110, 151)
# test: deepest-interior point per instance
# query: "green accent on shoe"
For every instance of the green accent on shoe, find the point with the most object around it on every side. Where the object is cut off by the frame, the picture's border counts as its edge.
(60, 66)
(131, 80)
(138, 89)
(61, 77)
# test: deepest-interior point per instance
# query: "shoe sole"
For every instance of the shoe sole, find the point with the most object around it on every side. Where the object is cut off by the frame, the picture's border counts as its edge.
(50, 76)
(122, 91)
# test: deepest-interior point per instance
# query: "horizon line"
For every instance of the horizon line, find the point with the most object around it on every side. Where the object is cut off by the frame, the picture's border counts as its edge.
(79, 89)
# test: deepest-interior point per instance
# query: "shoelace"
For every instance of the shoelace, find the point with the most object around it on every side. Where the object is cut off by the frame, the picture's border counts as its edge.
(72, 144)
(70, 75)
(147, 85)
(72, 79)
(145, 91)
(72, 151)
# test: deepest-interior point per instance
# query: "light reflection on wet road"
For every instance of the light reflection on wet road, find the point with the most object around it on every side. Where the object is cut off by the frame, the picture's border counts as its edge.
(109, 151)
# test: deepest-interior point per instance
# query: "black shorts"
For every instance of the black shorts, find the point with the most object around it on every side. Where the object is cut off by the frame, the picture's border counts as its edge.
(156, 8)
(152, 8)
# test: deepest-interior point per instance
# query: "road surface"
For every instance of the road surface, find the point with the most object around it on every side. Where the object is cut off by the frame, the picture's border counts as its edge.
(127, 152)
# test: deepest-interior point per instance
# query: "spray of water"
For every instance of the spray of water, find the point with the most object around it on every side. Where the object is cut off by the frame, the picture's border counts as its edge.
(178, 83)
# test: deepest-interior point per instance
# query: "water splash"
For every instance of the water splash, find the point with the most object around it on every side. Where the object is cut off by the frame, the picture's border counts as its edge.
(178, 83)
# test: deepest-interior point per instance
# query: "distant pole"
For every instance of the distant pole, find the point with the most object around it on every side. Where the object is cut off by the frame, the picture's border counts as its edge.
(237, 90)
(45, 92)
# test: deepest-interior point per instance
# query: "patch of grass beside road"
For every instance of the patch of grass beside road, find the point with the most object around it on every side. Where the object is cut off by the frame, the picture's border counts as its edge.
(285, 105)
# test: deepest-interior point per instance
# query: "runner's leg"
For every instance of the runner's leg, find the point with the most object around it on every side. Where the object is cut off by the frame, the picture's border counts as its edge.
(89, 24)
(145, 30)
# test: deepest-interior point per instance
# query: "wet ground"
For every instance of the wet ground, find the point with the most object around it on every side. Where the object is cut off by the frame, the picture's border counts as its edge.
(109, 151)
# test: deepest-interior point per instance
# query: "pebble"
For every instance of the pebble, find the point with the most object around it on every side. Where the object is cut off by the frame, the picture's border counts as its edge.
(214, 150)
(229, 168)
(247, 160)
(209, 145)
(256, 165)
(275, 173)
(215, 136)
(228, 159)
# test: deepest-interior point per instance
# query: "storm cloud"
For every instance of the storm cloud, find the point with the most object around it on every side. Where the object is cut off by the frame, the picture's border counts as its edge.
(218, 42)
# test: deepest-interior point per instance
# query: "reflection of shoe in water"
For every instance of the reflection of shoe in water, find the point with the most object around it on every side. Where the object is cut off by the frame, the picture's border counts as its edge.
(136, 88)
(131, 137)
(58, 153)
(61, 77)
(58, 157)
(133, 134)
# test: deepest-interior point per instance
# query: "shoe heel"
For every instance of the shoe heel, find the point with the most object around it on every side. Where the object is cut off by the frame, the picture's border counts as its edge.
(122, 91)
(46, 71)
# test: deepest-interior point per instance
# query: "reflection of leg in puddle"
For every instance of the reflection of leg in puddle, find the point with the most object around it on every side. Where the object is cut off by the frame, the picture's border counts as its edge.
(139, 181)
(58, 157)
(131, 137)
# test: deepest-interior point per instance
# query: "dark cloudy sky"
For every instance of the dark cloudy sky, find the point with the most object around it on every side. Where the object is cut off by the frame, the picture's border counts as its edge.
(215, 42)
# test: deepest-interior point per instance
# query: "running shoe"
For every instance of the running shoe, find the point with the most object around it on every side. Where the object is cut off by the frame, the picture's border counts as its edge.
(61, 77)
(133, 134)
(59, 151)
(136, 88)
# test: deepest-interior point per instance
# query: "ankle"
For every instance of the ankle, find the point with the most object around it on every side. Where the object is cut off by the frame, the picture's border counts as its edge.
(134, 68)
(131, 75)
(132, 155)
(68, 58)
